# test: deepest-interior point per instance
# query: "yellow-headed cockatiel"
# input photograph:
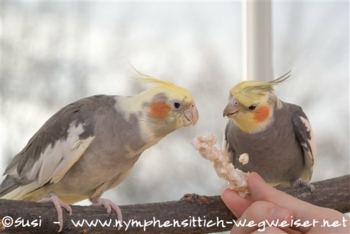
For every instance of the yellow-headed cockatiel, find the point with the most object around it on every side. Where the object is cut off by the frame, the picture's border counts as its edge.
(91, 145)
(276, 135)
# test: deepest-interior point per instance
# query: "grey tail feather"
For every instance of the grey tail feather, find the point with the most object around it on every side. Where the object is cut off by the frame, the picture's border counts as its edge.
(9, 184)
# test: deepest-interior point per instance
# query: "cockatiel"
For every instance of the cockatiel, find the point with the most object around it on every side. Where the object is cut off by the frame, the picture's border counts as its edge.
(276, 135)
(91, 145)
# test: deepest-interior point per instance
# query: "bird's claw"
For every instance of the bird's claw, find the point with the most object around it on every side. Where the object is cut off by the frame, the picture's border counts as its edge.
(109, 205)
(53, 198)
(304, 183)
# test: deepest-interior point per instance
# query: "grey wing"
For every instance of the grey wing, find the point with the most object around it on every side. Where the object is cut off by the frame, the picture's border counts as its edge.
(51, 152)
(305, 136)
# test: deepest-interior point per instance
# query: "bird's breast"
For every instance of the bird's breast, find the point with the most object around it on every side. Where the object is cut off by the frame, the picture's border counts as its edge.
(273, 153)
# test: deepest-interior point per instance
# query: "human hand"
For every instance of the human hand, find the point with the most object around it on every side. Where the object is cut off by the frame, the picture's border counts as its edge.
(290, 215)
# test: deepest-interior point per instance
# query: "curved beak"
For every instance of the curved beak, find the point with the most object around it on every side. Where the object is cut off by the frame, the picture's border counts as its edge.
(230, 109)
(190, 116)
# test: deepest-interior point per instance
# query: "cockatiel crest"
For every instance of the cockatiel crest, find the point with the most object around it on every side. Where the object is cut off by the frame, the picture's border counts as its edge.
(276, 135)
(251, 104)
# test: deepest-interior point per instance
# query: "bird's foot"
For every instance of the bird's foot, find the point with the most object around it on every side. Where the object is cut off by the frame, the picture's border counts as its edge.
(51, 197)
(304, 183)
(109, 205)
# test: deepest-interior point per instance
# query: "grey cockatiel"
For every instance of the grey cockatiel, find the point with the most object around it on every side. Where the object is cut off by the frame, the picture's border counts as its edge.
(92, 144)
(276, 135)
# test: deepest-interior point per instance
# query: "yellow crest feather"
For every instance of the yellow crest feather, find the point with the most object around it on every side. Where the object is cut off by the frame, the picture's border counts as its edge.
(155, 81)
(150, 79)
(176, 91)
(258, 87)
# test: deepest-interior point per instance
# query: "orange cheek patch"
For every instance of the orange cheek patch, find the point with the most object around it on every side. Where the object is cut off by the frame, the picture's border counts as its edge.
(159, 110)
(261, 113)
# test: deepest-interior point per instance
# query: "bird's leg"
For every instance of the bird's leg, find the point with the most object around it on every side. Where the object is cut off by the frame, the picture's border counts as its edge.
(52, 197)
(109, 205)
(303, 183)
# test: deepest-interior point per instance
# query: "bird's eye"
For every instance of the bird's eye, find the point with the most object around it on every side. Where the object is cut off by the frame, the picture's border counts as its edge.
(252, 107)
(177, 105)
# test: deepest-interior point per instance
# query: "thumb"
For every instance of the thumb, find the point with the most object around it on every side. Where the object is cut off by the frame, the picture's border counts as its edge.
(234, 202)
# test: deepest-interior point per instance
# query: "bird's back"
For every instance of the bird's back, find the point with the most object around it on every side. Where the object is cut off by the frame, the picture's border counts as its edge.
(98, 118)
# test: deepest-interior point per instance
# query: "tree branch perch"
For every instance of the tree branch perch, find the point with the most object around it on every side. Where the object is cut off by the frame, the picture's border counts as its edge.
(333, 193)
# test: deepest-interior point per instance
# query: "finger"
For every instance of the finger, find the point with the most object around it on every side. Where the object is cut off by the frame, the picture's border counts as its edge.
(303, 211)
(261, 191)
(260, 215)
(234, 202)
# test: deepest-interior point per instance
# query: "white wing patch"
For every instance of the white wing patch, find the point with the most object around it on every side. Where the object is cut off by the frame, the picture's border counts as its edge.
(311, 141)
(55, 161)
(309, 156)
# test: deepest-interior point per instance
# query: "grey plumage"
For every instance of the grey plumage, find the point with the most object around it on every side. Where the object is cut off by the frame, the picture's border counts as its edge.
(276, 153)
(276, 135)
(97, 139)
(95, 114)
(92, 144)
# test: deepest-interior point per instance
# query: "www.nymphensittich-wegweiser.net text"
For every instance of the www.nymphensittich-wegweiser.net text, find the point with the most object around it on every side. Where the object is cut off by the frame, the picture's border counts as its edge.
(191, 221)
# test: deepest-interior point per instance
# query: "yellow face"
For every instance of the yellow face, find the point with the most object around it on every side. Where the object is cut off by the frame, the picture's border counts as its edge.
(174, 104)
(168, 107)
(250, 106)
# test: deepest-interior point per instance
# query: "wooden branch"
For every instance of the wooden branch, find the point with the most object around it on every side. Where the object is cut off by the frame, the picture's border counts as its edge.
(195, 214)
